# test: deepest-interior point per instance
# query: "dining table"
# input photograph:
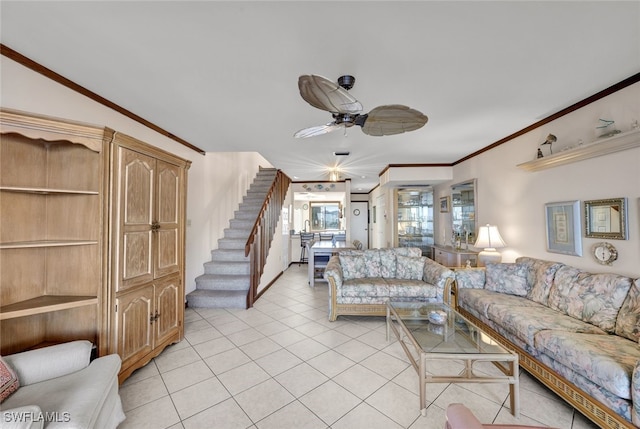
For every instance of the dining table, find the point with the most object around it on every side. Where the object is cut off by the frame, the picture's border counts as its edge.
(319, 255)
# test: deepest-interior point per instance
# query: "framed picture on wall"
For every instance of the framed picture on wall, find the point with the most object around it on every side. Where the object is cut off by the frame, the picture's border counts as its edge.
(445, 203)
(563, 228)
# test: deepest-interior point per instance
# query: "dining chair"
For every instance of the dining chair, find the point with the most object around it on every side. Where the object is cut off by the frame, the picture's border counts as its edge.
(326, 236)
(305, 238)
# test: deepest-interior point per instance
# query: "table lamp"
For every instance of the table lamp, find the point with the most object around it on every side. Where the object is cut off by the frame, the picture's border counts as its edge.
(489, 239)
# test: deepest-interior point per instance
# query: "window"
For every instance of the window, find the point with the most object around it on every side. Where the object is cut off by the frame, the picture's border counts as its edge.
(325, 215)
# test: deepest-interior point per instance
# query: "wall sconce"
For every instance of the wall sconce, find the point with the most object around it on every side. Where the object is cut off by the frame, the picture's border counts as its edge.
(334, 175)
(489, 239)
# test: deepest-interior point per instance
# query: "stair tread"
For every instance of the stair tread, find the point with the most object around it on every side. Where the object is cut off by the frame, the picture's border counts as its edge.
(217, 299)
(226, 262)
(222, 276)
(210, 292)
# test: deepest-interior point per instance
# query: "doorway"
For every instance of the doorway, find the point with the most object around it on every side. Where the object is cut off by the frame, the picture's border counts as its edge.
(359, 222)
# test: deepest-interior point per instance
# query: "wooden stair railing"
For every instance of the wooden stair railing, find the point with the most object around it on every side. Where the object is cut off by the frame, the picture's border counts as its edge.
(259, 241)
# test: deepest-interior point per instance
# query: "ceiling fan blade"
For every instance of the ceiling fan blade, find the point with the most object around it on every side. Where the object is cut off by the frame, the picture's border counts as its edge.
(318, 130)
(391, 119)
(324, 94)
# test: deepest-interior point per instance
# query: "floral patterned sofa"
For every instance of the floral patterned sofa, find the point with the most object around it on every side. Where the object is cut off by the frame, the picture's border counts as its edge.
(577, 332)
(362, 281)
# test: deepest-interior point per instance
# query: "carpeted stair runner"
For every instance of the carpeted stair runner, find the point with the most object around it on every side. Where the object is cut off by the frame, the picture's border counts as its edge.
(226, 278)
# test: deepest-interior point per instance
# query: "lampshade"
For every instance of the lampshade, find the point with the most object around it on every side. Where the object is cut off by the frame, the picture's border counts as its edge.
(489, 239)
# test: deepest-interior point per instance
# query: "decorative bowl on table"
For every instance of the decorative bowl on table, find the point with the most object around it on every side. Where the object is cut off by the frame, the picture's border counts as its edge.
(437, 317)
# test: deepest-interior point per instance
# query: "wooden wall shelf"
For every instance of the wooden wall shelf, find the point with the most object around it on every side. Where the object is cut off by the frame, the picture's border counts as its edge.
(46, 243)
(45, 304)
(618, 142)
(46, 191)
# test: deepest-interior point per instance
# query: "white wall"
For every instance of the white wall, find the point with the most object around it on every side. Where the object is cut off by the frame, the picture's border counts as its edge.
(514, 199)
(217, 181)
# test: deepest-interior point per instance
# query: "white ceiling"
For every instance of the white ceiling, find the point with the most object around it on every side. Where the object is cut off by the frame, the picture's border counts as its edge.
(223, 75)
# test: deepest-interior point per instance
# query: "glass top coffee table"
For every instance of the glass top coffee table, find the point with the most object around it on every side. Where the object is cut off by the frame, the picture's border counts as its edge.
(430, 332)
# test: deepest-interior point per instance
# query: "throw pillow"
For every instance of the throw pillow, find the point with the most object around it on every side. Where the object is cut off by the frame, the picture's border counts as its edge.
(372, 263)
(507, 278)
(387, 263)
(592, 298)
(8, 380)
(414, 252)
(352, 266)
(540, 275)
(628, 323)
(470, 278)
(409, 268)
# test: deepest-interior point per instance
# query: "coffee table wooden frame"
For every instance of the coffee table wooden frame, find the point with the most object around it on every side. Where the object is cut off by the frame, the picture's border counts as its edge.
(506, 362)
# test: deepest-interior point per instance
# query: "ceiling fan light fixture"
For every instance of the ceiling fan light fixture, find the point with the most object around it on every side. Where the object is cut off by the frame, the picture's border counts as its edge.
(334, 175)
(333, 97)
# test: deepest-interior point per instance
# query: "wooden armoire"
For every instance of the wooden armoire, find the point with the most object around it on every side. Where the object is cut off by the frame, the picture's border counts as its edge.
(148, 209)
(92, 238)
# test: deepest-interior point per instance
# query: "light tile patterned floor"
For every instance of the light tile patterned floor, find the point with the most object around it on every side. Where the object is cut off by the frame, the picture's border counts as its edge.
(282, 365)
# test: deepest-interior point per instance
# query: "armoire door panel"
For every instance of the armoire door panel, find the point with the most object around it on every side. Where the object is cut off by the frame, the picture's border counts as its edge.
(137, 188)
(168, 303)
(135, 213)
(168, 184)
(167, 252)
(134, 327)
(136, 259)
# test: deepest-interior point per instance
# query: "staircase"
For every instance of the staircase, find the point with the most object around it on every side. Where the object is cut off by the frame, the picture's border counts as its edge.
(227, 277)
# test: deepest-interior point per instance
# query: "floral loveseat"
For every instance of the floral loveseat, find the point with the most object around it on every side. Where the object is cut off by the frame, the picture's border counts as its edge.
(362, 281)
(575, 331)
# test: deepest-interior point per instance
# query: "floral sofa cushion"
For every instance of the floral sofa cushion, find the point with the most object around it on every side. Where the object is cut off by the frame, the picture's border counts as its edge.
(607, 360)
(593, 298)
(628, 323)
(507, 278)
(409, 268)
(416, 289)
(353, 266)
(388, 262)
(412, 252)
(366, 286)
(540, 276)
(470, 278)
(619, 405)
(480, 299)
(373, 266)
(525, 322)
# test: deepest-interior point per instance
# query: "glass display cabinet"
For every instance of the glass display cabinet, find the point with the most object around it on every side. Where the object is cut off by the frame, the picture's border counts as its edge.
(414, 223)
(463, 214)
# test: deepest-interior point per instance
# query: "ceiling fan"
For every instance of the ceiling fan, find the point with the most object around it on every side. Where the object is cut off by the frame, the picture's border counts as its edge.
(333, 97)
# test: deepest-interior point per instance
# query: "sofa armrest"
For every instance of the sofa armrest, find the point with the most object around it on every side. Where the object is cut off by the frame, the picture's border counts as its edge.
(635, 395)
(439, 276)
(38, 365)
(334, 270)
(333, 274)
(27, 417)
